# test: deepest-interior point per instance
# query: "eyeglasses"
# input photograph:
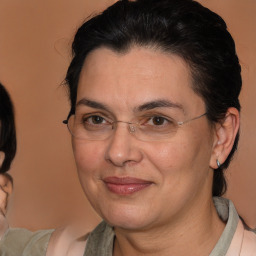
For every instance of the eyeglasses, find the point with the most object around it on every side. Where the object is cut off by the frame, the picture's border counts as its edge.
(146, 128)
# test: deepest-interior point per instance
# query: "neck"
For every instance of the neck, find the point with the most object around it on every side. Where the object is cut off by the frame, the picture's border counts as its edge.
(196, 232)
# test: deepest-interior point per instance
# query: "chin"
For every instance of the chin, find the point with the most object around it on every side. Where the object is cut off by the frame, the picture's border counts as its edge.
(127, 223)
(130, 218)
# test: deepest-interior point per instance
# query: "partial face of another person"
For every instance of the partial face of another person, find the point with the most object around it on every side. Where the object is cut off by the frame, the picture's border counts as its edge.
(2, 156)
(160, 172)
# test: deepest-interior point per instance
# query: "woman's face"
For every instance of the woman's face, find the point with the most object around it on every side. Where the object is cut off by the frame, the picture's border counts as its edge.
(137, 184)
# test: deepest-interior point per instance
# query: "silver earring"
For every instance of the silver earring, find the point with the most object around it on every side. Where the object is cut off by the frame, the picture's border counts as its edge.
(218, 163)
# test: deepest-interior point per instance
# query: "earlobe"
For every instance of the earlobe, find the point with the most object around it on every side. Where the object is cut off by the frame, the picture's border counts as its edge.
(225, 134)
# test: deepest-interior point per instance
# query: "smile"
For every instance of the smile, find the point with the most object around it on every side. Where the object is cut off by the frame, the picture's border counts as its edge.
(125, 185)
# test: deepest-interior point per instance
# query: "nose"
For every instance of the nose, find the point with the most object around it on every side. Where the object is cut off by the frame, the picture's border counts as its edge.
(123, 147)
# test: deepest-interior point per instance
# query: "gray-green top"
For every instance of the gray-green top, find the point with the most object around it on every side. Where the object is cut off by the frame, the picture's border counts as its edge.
(21, 242)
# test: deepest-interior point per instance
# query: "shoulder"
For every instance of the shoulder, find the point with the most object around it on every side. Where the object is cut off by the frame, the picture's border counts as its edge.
(243, 242)
(239, 240)
(17, 241)
(66, 241)
(249, 243)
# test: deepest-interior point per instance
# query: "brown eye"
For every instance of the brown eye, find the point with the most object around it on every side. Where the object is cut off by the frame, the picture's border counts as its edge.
(158, 120)
(97, 119)
(93, 120)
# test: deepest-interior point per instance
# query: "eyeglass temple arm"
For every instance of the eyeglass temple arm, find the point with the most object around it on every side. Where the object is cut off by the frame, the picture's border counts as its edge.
(71, 112)
(197, 117)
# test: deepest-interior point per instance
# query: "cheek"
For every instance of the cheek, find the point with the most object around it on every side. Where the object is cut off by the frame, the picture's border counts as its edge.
(169, 155)
(183, 160)
(168, 160)
(88, 156)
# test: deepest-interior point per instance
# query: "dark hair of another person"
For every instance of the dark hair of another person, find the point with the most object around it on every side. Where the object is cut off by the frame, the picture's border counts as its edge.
(7, 129)
(181, 27)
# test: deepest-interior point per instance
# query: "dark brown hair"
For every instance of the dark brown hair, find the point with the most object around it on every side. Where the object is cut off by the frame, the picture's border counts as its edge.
(7, 129)
(181, 27)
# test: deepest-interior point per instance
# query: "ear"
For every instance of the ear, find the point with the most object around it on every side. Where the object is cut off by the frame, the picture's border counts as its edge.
(6, 183)
(2, 157)
(224, 136)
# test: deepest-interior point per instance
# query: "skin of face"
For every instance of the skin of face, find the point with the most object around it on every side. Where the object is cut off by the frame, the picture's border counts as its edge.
(177, 169)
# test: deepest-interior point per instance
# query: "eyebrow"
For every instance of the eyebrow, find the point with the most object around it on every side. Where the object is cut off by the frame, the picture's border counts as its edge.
(159, 104)
(146, 106)
(92, 104)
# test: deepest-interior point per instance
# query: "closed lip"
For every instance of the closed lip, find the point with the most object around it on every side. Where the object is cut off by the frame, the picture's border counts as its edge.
(125, 186)
(125, 180)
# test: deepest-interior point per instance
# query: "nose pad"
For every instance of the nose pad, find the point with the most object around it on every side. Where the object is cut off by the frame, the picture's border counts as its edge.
(121, 149)
(132, 128)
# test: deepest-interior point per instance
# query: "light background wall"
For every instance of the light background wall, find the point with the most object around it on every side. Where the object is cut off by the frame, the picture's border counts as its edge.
(35, 40)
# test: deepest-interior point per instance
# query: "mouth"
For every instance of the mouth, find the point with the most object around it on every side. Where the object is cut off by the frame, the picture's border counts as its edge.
(125, 185)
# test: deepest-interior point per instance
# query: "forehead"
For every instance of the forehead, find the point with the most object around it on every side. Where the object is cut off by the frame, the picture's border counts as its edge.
(137, 76)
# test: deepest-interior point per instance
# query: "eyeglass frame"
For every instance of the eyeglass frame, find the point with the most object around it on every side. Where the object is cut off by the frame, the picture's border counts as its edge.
(132, 129)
